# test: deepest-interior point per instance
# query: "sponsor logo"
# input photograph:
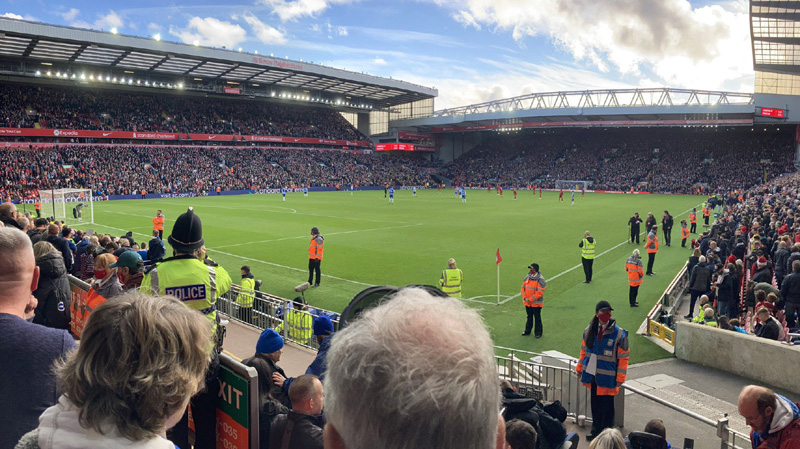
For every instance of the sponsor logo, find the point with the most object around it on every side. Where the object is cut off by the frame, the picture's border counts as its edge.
(56, 132)
(106, 134)
(187, 292)
(212, 137)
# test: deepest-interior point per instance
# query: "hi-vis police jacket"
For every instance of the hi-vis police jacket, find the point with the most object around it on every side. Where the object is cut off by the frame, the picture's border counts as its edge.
(610, 364)
(196, 284)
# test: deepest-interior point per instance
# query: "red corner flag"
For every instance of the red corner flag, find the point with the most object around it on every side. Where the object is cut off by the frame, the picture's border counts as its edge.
(499, 259)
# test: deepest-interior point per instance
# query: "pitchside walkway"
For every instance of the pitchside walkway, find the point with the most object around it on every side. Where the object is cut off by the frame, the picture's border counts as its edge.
(705, 391)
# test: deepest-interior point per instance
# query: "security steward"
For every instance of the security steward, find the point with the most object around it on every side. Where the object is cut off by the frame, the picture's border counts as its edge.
(198, 282)
(38, 206)
(158, 224)
(451, 280)
(693, 221)
(246, 296)
(533, 297)
(652, 248)
(603, 365)
(706, 215)
(298, 322)
(635, 274)
(315, 249)
(587, 246)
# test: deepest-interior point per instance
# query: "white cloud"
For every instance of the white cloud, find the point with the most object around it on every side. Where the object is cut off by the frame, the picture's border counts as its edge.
(71, 15)
(289, 10)
(210, 32)
(265, 33)
(702, 47)
(342, 31)
(379, 61)
(11, 15)
(108, 21)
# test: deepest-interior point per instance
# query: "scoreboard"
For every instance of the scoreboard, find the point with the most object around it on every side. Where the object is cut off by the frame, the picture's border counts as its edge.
(770, 112)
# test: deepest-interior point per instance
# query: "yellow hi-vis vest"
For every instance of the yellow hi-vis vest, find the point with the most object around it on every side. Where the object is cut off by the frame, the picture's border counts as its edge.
(450, 282)
(187, 278)
(587, 251)
(247, 292)
(299, 326)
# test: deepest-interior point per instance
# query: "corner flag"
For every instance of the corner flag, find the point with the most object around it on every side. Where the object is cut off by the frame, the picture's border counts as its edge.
(499, 259)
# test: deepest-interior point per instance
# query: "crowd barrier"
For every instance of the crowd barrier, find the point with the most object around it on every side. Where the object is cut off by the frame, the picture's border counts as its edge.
(659, 325)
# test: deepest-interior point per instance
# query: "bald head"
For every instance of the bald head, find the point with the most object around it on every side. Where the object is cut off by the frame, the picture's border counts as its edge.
(9, 210)
(19, 274)
(757, 405)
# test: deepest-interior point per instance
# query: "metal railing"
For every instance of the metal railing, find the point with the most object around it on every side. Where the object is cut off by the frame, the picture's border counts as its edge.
(659, 323)
(268, 312)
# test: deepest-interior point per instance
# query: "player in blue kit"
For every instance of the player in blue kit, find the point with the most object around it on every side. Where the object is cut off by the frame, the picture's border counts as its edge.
(414, 191)
(463, 195)
(391, 195)
(283, 192)
(305, 191)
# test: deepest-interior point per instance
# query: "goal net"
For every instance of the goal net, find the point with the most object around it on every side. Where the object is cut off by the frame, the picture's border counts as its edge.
(70, 205)
(567, 184)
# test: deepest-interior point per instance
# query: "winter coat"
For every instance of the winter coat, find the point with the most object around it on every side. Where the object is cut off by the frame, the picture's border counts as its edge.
(52, 292)
(700, 279)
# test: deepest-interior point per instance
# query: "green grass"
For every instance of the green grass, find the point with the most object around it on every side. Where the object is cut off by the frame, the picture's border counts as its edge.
(369, 242)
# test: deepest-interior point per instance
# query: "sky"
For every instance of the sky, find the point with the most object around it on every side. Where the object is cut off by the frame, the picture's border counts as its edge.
(472, 51)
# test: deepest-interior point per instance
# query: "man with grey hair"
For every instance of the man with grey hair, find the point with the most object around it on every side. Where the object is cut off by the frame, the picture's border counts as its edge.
(416, 371)
(27, 384)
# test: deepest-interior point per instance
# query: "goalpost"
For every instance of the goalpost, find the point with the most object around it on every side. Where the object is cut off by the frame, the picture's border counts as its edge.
(70, 205)
(567, 184)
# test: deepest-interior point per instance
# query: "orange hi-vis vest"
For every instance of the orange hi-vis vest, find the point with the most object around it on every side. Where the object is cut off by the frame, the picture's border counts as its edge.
(316, 247)
(706, 212)
(158, 223)
(81, 311)
(684, 233)
(693, 218)
(533, 290)
(635, 271)
(652, 243)
(37, 205)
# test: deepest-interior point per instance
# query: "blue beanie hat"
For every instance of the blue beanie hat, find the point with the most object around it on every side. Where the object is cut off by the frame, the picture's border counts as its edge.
(269, 342)
(323, 325)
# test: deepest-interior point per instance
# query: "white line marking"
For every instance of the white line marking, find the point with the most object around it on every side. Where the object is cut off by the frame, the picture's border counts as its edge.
(327, 233)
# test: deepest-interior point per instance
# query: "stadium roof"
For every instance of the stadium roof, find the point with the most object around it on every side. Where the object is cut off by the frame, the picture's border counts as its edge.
(775, 26)
(70, 48)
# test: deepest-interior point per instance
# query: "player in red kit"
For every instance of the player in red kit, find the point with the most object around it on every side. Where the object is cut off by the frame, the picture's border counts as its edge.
(561, 195)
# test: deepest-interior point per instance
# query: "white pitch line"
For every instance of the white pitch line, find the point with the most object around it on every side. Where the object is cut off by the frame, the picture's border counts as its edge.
(580, 265)
(327, 233)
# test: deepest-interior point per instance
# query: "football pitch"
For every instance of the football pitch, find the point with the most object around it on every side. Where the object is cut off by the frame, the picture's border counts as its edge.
(370, 242)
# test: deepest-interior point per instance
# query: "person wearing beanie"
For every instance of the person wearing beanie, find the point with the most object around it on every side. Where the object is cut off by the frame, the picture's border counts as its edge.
(298, 322)
(269, 348)
(315, 249)
(602, 365)
(323, 330)
(198, 282)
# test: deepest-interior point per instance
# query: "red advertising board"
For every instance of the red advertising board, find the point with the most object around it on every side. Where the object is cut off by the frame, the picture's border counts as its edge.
(771, 112)
(61, 133)
(414, 137)
(594, 123)
(233, 90)
(394, 147)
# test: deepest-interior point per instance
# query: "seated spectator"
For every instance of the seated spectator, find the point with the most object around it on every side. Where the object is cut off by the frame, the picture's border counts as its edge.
(87, 260)
(653, 429)
(39, 231)
(761, 301)
(52, 291)
(414, 372)
(28, 350)
(708, 317)
(520, 435)
(323, 330)
(269, 347)
(140, 360)
(517, 406)
(305, 431)
(737, 326)
(129, 266)
(774, 420)
(768, 327)
(268, 406)
(704, 302)
(609, 438)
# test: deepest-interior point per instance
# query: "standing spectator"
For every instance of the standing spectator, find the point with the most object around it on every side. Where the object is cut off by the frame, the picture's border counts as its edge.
(635, 274)
(315, 249)
(601, 372)
(763, 273)
(769, 327)
(106, 282)
(39, 232)
(52, 291)
(728, 292)
(268, 406)
(158, 223)
(652, 248)
(699, 284)
(28, 350)
(533, 287)
(305, 431)
(774, 420)
(140, 361)
(451, 280)
(129, 266)
(247, 295)
(781, 257)
(8, 216)
(61, 244)
(649, 223)
(790, 290)
(198, 282)
(633, 225)
(587, 246)
(387, 387)
(269, 347)
(666, 227)
(156, 251)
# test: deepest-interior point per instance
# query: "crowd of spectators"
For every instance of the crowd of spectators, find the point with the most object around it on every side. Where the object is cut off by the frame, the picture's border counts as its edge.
(672, 160)
(23, 106)
(125, 169)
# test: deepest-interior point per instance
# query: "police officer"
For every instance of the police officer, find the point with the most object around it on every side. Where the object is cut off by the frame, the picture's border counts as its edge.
(603, 365)
(533, 297)
(198, 282)
(247, 294)
(315, 249)
(451, 280)
(298, 322)
(587, 246)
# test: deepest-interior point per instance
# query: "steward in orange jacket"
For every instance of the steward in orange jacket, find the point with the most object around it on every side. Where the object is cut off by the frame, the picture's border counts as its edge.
(533, 297)
(158, 224)
(315, 249)
(635, 274)
(652, 248)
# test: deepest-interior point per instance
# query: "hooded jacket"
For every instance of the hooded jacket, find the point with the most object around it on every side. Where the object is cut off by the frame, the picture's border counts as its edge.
(52, 292)
(784, 429)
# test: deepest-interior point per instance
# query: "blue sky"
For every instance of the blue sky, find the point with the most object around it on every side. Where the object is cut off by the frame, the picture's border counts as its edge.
(470, 50)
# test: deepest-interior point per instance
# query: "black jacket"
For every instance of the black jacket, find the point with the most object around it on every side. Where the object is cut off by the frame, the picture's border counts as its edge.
(53, 293)
(726, 291)
(769, 329)
(306, 432)
(62, 245)
(700, 279)
(266, 415)
(10, 222)
(762, 275)
(781, 257)
(790, 290)
(277, 392)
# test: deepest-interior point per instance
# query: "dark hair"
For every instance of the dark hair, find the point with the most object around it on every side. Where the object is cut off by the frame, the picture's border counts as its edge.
(766, 399)
(246, 268)
(656, 427)
(264, 371)
(520, 434)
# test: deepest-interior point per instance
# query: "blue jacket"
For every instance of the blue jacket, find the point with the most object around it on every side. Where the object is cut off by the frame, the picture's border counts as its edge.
(318, 366)
(611, 353)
